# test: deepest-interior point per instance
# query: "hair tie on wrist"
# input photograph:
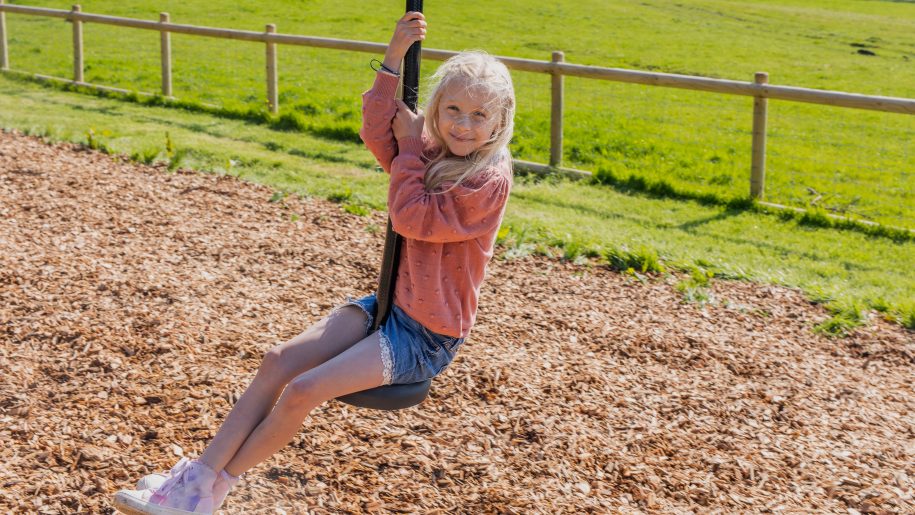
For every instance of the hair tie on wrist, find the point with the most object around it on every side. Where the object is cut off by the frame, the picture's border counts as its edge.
(383, 67)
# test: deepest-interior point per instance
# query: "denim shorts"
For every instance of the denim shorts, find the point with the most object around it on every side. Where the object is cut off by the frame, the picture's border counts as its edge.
(410, 353)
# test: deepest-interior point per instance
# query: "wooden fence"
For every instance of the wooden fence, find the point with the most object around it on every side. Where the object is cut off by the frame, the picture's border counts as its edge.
(759, 89)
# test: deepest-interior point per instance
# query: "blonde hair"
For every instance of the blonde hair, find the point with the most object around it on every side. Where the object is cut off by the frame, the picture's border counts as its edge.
(478, 71)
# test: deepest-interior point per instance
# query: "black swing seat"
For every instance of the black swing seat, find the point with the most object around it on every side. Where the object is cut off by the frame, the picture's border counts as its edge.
(389, 397)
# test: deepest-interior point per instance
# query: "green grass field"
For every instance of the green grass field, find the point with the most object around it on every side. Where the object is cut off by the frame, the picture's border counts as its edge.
(853, 161)
(848, 270)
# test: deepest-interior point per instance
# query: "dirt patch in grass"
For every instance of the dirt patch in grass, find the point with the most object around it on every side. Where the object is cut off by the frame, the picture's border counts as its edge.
(135, 306)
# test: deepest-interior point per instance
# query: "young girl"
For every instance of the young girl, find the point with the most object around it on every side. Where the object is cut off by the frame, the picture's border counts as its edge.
(450, 179)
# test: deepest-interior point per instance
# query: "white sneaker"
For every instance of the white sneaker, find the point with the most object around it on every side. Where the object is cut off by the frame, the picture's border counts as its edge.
(224, 483)
(151, 481)
(187, 489)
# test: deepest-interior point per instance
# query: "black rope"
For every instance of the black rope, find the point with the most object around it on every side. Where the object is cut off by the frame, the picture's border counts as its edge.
(394, 396)
(393, 241)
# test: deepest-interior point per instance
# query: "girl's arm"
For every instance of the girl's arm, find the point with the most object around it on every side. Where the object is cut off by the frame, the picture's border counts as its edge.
(378, 110)
(464, 213)
(378, 106)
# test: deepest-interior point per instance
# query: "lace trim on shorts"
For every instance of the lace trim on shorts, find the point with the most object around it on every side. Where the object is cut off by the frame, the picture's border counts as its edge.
(387, 357)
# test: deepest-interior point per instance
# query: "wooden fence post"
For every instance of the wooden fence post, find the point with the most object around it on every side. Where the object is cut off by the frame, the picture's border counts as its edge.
(556, 113)
(4, 54)
(760, 113)
(165, 39)
(272, 98)
(77, 46)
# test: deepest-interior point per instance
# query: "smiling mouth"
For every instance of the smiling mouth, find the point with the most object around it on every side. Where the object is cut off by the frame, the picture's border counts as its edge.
(464, 138)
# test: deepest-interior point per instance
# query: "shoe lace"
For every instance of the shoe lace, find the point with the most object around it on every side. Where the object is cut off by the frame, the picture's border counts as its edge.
(176, 478)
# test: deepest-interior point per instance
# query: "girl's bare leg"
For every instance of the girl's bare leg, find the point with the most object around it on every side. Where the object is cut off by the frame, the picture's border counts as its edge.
(355, 369)
(281, 364)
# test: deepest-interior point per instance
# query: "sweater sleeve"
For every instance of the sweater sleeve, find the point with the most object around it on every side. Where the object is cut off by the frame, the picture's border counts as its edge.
(378, 109)
(464, 213)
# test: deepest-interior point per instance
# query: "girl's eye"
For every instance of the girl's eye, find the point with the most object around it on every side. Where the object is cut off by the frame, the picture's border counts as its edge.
(479, 114)
(453, 109)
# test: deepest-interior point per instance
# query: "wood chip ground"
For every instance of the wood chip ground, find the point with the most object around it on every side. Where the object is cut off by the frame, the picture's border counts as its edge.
(135, 305)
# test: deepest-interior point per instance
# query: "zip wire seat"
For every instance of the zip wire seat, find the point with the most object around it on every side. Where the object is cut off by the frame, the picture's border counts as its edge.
(389, 397)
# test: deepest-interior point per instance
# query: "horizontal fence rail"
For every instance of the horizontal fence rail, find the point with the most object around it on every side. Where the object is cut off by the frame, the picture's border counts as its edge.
(732, 87)
(759, 89)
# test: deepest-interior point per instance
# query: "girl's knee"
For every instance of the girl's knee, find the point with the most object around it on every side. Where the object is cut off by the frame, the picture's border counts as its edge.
(299, 396)
(272, 365)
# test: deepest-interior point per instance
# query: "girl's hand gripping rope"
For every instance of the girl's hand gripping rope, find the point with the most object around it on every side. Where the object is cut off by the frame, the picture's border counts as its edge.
(410, 29)
(406, 123)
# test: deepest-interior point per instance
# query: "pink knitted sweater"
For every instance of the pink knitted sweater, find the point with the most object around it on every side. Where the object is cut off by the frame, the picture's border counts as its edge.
(448, 238)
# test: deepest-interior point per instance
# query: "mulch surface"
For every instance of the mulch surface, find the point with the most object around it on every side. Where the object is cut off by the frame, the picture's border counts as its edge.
(136, 304)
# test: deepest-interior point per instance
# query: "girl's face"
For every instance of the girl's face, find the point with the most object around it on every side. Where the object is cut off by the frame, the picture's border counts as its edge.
(464, 120)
